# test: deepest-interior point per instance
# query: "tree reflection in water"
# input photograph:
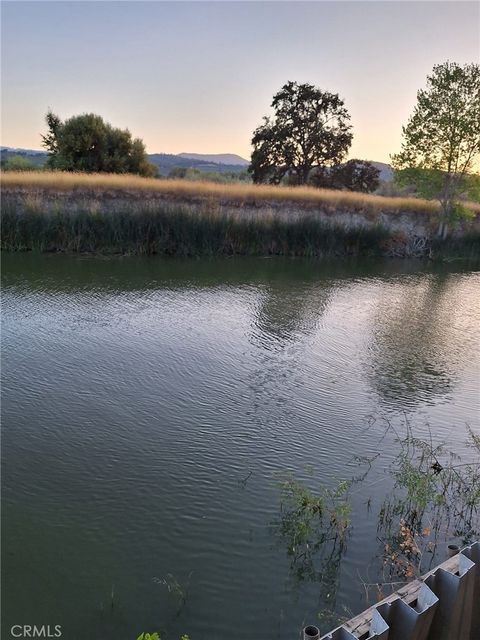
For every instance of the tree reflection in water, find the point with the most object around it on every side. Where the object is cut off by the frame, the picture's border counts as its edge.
(417, 340)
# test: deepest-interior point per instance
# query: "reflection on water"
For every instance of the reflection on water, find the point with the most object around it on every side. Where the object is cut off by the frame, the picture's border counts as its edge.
(283, 319)
(283, 323)
(148, 406)
(419, 339)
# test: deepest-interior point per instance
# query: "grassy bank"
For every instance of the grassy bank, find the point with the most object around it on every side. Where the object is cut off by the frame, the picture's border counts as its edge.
(131, 215)
(177, 232)
(36, 181)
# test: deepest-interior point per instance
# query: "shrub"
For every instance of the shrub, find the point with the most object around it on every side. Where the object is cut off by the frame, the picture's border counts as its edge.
(86, 143)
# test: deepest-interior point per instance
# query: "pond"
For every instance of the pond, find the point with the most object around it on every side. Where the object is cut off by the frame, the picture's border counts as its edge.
(150, 407)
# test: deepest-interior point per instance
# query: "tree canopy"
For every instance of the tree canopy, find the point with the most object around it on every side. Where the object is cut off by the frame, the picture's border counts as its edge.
(87, 143)
(441, 141)
(310, 129)
(354, 175)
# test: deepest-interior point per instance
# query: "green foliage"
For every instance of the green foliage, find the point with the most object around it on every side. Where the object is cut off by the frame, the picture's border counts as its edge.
(310, 129)
(429, 183)
(88, 144)
(435, 498)
(314, 525)
(441, 142)
(18, 163)
(309, 520)
(418, 484)
(50, 139)
(472, 187)
(196, 175)
(460, 212)
(426, 183)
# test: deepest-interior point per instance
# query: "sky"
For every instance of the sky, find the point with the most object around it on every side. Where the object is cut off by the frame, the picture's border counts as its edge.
(199, 76)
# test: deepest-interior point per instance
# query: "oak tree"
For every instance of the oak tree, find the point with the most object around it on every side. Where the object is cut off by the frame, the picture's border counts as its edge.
(310, 129)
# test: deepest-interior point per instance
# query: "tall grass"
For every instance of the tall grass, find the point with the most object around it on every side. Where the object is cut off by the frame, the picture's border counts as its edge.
(170, 230)
(129, 214)
(465, 247)
(232, 193)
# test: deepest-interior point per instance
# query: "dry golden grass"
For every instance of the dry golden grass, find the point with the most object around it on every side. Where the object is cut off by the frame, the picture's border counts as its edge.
(234, 193)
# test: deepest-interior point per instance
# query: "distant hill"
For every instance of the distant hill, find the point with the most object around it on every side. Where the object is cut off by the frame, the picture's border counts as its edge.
(217, 162)
(20, 152)
(217, 158)
(166, 162)
(38, 158)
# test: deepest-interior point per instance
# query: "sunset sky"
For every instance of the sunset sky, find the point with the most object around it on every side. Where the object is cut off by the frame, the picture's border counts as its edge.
(199, 76)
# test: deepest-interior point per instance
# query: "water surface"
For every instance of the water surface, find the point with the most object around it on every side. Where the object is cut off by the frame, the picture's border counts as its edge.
(149, 407)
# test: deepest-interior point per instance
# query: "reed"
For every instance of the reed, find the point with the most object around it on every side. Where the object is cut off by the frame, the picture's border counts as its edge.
(465, 247)
(176, 231)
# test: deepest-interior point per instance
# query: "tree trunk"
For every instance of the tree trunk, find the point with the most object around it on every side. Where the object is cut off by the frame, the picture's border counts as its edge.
(446, 206)
(303, 174)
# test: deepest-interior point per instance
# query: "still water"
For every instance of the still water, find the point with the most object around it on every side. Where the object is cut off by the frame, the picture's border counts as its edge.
(149, 407)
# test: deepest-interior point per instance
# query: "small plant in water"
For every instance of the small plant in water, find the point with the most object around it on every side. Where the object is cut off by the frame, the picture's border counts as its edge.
(309, 520)
(435, 499)
(179, 591)
(315, 526)
(329, 618)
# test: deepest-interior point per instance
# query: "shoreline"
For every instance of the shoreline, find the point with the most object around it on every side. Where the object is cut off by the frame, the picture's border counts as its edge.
(65, 213)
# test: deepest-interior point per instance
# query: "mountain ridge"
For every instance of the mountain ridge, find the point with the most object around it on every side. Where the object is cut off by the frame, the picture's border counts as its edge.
(165, 162)
(217, 158)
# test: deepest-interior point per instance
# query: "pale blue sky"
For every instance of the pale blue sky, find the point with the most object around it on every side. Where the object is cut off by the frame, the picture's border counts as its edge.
(199, 76)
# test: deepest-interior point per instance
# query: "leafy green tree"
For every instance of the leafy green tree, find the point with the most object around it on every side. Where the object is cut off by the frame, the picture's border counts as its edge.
(50, 139)
(310, 129)
(472, 187)
(441, 141)
(87, 143)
